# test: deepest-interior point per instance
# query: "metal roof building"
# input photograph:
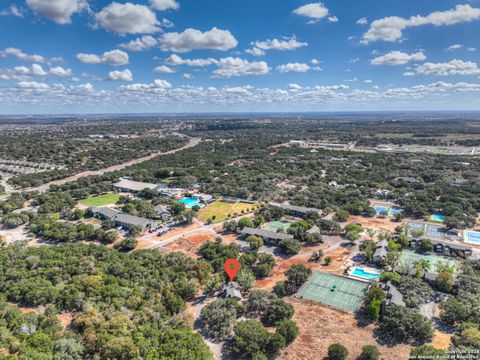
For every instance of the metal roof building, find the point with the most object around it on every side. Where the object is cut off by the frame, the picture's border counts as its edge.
(268, 235)
(126, 185)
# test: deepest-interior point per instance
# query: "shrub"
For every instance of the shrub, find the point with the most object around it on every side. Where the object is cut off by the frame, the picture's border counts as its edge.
(369, 352)
(337, 352)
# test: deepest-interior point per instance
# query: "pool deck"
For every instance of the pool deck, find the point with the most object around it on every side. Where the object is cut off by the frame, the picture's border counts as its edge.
(365, 269)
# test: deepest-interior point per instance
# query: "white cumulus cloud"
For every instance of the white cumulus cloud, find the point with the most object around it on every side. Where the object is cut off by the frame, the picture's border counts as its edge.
(391, 28)
(164, 4)
(293, 67)
(193, 39)
(32, 85)
(60, 71)
(140, 44)
(259, 47)
(162, 84)
(164, 70)
(175, 59)
(114, 58)
(127, 18)
(314, 11)
(21, 55)
(120, 75)
(398, 58)
(59, 11)
(232, 67)
(453, 67)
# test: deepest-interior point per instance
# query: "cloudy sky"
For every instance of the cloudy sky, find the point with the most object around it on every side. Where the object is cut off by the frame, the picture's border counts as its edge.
(95, 56)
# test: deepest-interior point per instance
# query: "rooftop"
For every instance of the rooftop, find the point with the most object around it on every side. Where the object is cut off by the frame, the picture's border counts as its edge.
(132, 220)
(301, 209)
(266, 234)
(105, 211)
(134, 185)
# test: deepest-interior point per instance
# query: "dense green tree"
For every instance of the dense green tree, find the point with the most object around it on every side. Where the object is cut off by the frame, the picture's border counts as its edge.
(290, 246)
(288, 329)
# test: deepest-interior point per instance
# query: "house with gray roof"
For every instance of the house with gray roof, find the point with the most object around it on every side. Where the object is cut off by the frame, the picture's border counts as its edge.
(163, 212)
(125, 220)
(128, 221)
(313, 230)
(380, 253)
(104, 213)
(232, 291)
(265, 234)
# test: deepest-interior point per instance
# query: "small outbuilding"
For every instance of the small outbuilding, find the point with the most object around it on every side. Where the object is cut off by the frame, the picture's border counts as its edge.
(232, 291)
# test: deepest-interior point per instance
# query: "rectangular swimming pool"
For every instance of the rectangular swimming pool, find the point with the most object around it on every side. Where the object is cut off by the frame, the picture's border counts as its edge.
(365, 274)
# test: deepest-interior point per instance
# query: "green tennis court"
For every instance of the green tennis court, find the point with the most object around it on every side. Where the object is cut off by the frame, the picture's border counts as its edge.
(333, 290)
(409, 258)
(276, 225)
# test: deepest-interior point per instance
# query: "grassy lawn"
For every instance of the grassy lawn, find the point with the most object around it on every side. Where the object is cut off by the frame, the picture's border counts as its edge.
(221, 209)
(100, 200)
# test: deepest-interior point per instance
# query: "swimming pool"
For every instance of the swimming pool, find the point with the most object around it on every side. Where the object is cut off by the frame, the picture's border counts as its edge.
(472, 237)
(370, 274)
(379, 209)
(438, 218)
(391, 211)
(191, 202)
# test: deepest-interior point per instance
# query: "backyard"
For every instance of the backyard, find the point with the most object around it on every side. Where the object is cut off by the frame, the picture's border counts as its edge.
(101, 200)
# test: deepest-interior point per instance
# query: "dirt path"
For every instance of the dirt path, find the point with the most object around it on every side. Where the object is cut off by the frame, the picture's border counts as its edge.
(191, 143)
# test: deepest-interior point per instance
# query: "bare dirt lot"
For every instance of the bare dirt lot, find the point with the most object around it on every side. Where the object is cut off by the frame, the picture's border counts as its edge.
(375, 222)
(321, 326)
(189, 244)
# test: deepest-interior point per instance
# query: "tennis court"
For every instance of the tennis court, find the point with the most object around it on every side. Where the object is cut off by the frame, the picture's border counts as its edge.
(472, 237)
(276, 225)
(409, 258)
(333, 290)
(436, 231)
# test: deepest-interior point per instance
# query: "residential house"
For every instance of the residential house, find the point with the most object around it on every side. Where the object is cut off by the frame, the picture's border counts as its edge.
(163, 212)
(265, 234)
(381, 251)
(232, 291)
(128, 221)
(104, 213)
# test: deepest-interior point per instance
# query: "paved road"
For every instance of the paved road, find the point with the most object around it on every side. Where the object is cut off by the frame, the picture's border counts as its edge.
(203, 228)
(191, 143)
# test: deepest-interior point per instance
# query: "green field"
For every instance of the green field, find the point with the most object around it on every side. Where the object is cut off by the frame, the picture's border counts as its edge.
(100, 200)
(333, 290)
(218, 211)
(409, 258)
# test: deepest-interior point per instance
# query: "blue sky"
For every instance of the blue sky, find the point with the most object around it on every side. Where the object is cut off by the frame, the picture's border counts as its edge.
(84, 56)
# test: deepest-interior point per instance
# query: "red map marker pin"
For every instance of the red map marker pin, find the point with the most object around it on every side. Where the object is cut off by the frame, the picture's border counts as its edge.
(231, 267)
